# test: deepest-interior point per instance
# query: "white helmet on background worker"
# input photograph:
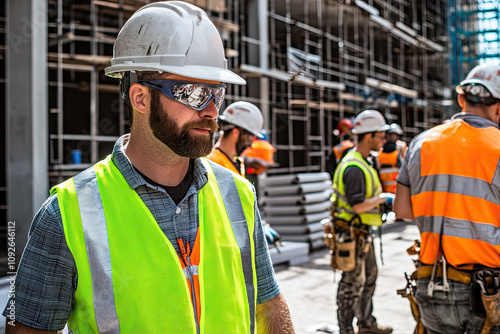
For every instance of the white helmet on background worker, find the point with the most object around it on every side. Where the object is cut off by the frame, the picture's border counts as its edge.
(244, 115)
(173, 37)
(485, 75)
(396, 128)
(369, 121)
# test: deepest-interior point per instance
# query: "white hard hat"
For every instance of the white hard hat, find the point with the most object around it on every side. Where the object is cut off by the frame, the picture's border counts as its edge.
(395, 128)
(369, 121)
(244, 115)
(174, 37)
(485, 75)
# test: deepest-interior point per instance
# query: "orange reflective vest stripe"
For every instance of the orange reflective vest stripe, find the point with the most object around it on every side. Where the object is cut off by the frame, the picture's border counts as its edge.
(388, 170)
(456, 193)
(220, 158)
(340, 149)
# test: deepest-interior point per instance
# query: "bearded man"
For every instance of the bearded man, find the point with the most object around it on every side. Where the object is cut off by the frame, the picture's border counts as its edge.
(154, 239)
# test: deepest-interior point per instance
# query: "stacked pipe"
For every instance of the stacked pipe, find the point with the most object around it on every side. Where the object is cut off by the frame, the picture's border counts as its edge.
(295, 204)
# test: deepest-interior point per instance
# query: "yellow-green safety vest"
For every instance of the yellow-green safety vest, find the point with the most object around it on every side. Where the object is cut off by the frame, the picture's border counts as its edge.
(130, 279)
(372, 185)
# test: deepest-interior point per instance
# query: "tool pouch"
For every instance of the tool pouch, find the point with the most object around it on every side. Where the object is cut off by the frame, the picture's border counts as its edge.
(345, 254)
(344, 244)
(346, 249)
(492, 306)
(487, 281)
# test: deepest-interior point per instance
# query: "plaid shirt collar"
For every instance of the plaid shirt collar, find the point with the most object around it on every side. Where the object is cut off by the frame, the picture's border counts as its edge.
(134, 179)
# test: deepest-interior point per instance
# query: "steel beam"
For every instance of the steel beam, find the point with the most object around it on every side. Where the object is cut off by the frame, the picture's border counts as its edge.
(27, 113)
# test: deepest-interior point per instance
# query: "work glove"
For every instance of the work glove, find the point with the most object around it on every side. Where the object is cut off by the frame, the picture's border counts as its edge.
(388, 196)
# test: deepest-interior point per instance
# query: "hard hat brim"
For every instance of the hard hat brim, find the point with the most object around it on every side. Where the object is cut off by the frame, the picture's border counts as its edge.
(190, 71)
(383, 128)
(256, 134)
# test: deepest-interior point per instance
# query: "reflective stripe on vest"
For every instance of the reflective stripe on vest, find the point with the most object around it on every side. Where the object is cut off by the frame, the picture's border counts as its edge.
(96, 242)
(460, 196)
(115, 276)
(388, 171)
(372, 188)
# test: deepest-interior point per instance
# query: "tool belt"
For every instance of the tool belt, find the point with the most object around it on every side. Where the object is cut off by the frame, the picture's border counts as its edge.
(425, 271)
(347, 240)
(484, 281)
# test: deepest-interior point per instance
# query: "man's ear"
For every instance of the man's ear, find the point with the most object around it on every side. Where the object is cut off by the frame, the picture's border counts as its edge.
(461, 100)
(235, 132)
(140, 98)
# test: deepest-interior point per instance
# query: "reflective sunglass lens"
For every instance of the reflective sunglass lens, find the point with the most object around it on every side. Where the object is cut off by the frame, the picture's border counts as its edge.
(219, 97)
(193, 95)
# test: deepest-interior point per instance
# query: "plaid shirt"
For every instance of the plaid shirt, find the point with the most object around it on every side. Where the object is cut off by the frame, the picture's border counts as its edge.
(47, 277)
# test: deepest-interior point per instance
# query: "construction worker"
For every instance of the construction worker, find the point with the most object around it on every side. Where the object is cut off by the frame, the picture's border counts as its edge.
(262, 152)
(340, 150)
(240, 123)
(154, 239)
(449, 184)
(391, 157)
(357, 200)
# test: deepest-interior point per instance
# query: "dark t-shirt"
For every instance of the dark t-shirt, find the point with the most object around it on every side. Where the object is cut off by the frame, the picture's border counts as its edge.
(354, 182)
(176, 192)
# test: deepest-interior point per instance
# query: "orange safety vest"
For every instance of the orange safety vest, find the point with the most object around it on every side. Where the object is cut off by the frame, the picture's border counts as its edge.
(388, 170)
(456, 198)
(340, 148)
(261, 149)
(220, 158)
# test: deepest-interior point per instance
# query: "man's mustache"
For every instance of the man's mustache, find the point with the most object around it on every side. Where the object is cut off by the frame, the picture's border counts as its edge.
(206, 123)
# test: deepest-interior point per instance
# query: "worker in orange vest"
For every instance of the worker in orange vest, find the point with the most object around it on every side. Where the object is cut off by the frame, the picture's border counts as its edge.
(449, 184)
(340, 150)
(240, 123)
(259, 156)
(391, 157)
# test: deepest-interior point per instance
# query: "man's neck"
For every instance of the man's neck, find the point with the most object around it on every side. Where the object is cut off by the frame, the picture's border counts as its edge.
(155, 160)
(228, 147)
(363, 149)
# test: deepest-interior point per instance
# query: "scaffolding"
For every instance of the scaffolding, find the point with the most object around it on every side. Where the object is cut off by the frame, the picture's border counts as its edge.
(475, 35)
(328, 60)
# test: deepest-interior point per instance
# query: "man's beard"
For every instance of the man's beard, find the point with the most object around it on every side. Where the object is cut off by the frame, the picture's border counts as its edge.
(242, 144)
(179, 140)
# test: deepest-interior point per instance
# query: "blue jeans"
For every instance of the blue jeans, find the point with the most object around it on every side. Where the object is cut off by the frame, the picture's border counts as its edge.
(449, 313)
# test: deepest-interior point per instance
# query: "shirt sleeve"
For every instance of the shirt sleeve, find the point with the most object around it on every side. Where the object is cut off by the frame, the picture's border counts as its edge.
(46, 278)
(267, 286)
(354, 183)
(403, 177)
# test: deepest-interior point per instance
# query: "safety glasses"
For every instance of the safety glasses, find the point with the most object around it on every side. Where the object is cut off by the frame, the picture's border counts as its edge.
(192, 94)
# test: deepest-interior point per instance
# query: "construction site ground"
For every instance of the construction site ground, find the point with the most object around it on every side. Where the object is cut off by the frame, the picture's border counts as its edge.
(310, 288)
